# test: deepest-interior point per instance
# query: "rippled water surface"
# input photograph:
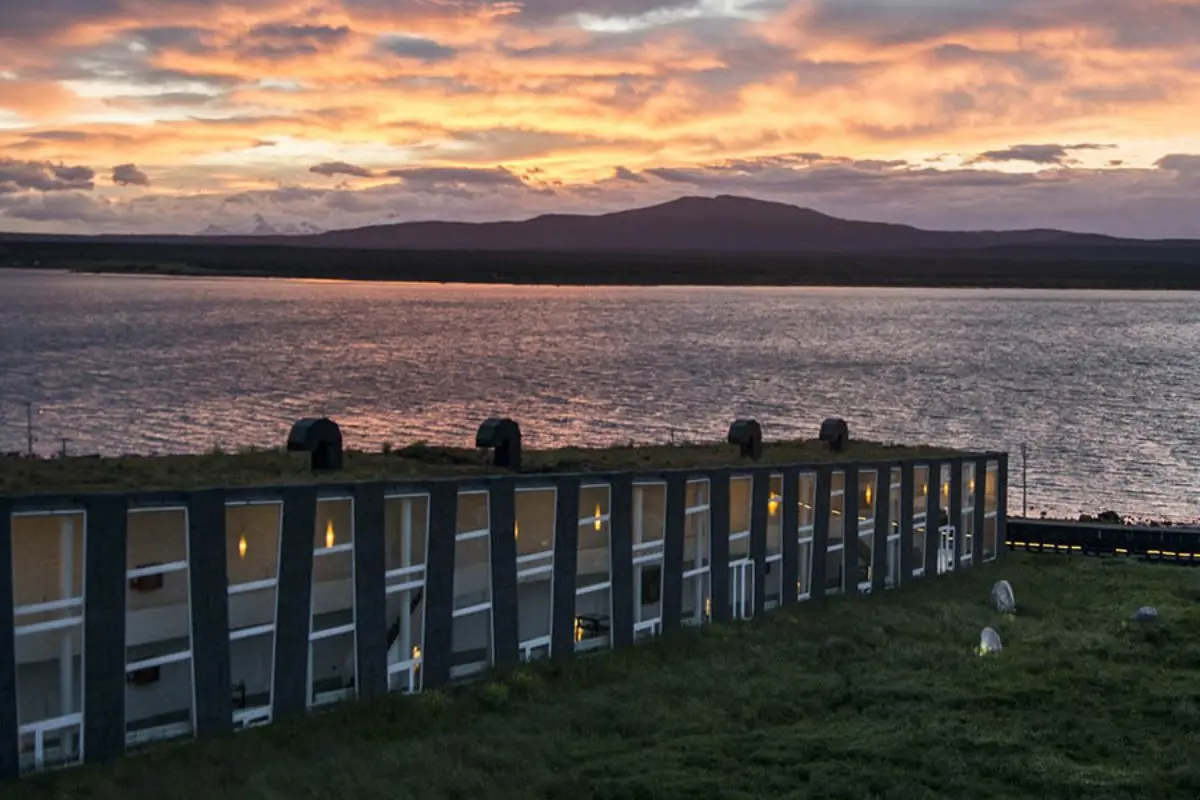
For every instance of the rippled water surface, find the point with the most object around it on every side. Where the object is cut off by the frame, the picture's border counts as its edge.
(1101, 385)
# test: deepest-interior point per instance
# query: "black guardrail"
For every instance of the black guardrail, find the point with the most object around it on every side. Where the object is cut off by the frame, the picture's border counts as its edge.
(1176, 545)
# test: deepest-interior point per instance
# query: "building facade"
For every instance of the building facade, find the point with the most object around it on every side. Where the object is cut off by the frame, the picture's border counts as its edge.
(132, 618)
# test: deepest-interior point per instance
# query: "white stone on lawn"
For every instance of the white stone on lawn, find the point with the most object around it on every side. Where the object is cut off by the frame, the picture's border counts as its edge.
(989, 642)
(1145, 614)
(1002, 598)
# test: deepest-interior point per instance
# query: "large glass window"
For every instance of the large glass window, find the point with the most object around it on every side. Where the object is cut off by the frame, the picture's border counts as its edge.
(920, 502)
(946, 528)
(835, 562)
(967, 521)
(774, 565)
(649, 528)
(159, 695)
(895, 500)
(534, 532)
(593, 570)
(868, 494)
(253, 531)
(332, 660)
(741, 567)
(471, 650)
(991, 509)
(804, 532)
(48, 611)
(252, 539)
(406, 541)
(697, 597)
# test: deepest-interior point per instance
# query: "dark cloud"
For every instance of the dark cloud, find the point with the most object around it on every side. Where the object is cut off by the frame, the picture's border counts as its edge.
(1181, 163)
(440, 177)
(624, 174)
(425, 50)
(278, 41)
(71, 207)
(129, 175)
(1036, 153)
(43, 176)
(332, 168)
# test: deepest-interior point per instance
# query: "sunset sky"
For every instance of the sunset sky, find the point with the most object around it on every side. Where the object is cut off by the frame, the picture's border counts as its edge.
(177, 115)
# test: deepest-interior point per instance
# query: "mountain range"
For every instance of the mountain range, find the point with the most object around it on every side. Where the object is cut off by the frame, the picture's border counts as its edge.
(722, 224)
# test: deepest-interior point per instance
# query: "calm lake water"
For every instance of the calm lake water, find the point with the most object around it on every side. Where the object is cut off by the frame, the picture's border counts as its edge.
(1101, 385)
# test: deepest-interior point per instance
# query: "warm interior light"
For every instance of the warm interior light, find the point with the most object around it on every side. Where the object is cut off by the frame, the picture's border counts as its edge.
(578, 630)
(946, 488)
(773, 504)
(416, 652)
(867, 495)
(925, 488)
(972, 485)
(242, 545)
(516, 530)
(597, 523)
(329, 536)
(708, 606)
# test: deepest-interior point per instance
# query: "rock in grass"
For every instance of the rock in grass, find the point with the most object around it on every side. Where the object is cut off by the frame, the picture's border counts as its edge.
(989, 642)
(1002, 598)
(1145, 614)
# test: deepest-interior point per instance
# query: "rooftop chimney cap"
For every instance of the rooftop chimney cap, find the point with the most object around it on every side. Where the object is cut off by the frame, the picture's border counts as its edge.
(836, 432)
(503, 436)
(320, 436)
(747, 435)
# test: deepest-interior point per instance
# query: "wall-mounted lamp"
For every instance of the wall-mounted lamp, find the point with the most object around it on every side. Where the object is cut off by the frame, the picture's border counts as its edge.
(329, 534)
(320, 436)
(747, 435)
(503, 437)
(773, 504)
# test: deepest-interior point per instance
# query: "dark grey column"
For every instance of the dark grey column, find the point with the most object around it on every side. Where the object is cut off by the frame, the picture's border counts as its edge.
(980, 509)
(104, 628)
(439, 585)
(210, 611)
(907, 488)
(821, 532)
(293, 617)
(10, 765)
(621, 527)
(672, 583)
(1002, 504)
(718, 526)
(790, 531)
(503, 510)
(370, 611)
(956, 493)
(566, 561)
(883, 528)
(850, 528)
(760, 496)
(933, 512)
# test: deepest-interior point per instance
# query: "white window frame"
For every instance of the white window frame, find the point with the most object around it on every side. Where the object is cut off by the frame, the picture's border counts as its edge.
(921, 518)
(647, 553)
(466, 670)
(70, 724)
(740, 565)
(866, 527)
(993, 468)
(590, 521)
(702, 573)
(179, 729)
(946, 533)
(968, 512)
(351, 627)
(775, 559)
(411, 578)
(893, 574)
(533, 565)
(840, 547)
(804, 535)
(259, 715)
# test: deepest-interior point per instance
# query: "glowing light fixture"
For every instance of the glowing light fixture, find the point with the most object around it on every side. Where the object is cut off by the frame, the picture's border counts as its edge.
(416, 652)
(329, 534)
(516, 529)
(708, 606)
(578, 630)
(773, 504)
(597, 523)
(868, 494)
(242, 545)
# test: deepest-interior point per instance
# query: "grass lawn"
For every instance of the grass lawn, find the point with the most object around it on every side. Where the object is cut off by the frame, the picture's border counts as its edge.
(251, 467)
(876, 697)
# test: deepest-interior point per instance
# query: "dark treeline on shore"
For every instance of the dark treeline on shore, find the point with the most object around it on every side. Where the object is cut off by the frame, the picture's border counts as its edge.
(1013, 267)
